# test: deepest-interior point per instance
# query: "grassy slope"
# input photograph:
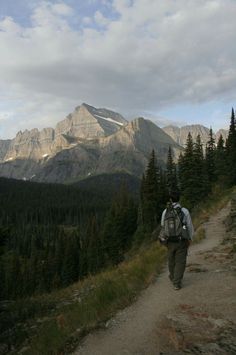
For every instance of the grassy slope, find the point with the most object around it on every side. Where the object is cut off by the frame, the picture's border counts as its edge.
(89, 304)
(60, 319)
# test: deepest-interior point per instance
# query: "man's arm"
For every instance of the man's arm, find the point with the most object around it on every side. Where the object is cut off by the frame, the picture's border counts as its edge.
(163, 218)
(189, 223)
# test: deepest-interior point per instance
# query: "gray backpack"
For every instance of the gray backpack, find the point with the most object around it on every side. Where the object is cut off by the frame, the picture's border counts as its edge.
(173, 223)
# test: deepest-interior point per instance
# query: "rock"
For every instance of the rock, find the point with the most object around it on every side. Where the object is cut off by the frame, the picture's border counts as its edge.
(189, 330)
(194, 268)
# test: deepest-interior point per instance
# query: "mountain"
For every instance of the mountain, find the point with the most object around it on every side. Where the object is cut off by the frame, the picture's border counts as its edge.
(88, 122)
(127, 150)
(179, 134)
(88, 142)
(85, 122)
(4, 146)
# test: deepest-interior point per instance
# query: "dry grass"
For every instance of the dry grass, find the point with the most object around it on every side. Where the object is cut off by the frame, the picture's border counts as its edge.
(108, 292)
(216, 201)
(199, 235)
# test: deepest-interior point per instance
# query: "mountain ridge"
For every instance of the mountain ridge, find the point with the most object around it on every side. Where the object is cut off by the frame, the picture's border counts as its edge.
(91, 141)
(73, 156)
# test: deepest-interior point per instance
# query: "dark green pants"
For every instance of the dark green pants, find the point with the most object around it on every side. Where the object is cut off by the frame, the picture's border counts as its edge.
(177, 255)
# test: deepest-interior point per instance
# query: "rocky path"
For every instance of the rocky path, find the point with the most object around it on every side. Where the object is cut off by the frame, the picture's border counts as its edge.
(198, 319)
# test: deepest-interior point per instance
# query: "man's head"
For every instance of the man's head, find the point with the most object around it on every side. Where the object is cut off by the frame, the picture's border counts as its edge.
(174, 196)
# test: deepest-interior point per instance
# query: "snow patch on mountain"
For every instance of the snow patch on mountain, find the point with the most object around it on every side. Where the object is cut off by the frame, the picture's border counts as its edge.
(109, 119)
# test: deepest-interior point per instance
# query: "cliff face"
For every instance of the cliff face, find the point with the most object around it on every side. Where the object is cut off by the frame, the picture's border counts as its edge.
(4, 146)
(179, 135)
(30, 144)
(69, 158)
(84, 123)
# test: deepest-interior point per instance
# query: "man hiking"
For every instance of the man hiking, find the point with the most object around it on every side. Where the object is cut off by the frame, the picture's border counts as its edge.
(178, 231)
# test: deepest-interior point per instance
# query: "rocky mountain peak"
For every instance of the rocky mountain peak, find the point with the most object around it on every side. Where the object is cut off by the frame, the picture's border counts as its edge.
(86, 122)
(89, 122)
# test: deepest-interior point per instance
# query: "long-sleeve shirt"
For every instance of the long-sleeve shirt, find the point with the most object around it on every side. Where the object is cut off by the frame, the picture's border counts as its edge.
(186, 220)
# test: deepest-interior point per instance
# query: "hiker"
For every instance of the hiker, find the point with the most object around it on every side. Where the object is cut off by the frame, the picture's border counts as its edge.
(177, 231)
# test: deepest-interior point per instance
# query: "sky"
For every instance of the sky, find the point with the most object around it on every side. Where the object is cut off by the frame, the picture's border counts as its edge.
(171, 61)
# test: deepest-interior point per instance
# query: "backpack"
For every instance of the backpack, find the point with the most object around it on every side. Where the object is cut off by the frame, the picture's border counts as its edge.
(173, 223)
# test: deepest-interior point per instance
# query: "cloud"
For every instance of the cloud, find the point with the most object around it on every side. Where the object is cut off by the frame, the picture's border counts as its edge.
(100, 19)
(147, 55)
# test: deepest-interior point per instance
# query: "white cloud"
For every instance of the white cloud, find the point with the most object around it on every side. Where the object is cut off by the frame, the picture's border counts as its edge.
(100, 19)
(8, 25)
(152, 55)
(62, 9)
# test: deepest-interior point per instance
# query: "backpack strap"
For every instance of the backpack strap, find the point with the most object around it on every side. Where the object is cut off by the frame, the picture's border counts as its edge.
(180, 213)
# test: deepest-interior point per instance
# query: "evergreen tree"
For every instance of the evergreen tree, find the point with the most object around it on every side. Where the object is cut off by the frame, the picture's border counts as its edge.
(210, 159)
(231, 149)
(150, 194)
(192, 173)
(171, 175)
(221, 161)
(186, 172)
(200, 186)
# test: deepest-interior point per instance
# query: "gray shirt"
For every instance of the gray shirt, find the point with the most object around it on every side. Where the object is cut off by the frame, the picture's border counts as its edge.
(186, 220)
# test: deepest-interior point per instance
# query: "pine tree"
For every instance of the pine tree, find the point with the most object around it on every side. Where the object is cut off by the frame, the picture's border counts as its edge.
(171, 175)
(150, 192)
(186, 172)
(200, 186)
(210, 159)
(221, 161)
(192, 173)
(231, 149)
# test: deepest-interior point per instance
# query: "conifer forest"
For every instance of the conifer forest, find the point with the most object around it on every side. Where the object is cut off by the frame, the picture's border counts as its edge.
(53, 235)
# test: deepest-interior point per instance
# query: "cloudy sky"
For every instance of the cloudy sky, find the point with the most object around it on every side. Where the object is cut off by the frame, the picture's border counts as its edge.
(168, 60)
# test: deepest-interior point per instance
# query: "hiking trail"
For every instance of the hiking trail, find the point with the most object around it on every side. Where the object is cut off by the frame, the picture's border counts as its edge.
(198, 319)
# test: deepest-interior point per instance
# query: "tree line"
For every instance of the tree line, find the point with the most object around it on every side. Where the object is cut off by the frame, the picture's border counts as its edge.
(194, 175)
(53, 235)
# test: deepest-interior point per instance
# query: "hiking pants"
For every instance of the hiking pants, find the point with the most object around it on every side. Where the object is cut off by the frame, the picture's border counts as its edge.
(177, 255)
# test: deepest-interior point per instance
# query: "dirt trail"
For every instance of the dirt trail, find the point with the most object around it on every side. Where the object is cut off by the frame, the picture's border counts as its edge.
(209, 289)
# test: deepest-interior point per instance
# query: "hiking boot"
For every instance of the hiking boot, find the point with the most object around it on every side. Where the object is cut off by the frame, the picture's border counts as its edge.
(177, 287)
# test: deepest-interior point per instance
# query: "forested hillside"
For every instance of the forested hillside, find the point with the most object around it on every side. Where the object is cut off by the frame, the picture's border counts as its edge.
(53, 235)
